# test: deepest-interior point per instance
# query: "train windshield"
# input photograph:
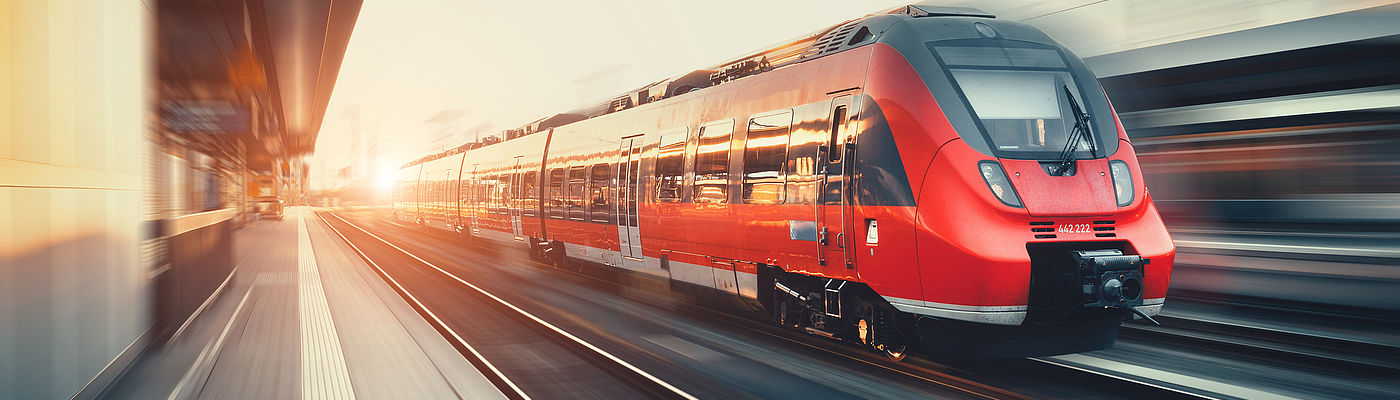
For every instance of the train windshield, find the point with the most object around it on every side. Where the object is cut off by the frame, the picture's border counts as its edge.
(1017, 97)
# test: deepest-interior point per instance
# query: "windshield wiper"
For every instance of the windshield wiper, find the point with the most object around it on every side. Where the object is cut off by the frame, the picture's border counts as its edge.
(1081, 129)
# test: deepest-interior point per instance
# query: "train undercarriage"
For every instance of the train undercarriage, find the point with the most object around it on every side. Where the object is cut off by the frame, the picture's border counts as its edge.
(839, 310)
(1078, 300)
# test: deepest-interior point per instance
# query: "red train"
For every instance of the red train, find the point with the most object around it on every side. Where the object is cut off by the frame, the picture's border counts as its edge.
(926, 179)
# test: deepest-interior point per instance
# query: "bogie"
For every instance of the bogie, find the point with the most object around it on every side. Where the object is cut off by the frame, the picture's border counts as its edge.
(840, 310)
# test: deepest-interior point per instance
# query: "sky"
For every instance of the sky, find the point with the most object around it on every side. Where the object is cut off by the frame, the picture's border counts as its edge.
(426, 75)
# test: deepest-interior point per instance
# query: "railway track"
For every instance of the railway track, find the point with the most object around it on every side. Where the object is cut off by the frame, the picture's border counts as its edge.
(1293, 360)
(949, 389)
(1013, 378)
(1270, 345)
(1003, 379)
(525, 356)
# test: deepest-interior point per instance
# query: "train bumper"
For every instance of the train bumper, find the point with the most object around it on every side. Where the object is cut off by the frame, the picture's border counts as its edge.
(1077, 302)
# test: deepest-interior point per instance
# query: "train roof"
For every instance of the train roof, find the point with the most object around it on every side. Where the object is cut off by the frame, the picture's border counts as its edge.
(833, 39)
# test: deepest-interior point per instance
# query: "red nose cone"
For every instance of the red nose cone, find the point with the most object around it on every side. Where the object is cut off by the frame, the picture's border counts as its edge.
(1088, 193)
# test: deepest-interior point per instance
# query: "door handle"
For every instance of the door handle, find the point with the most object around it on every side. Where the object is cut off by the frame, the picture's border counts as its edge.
(840, 240)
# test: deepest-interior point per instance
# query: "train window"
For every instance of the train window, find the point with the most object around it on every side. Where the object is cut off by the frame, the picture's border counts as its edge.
(493, 193)
(1019, 97)
(1021, 109)
(465, 192)
(600, 181)
(670, 165)
(530, 194)
(454, 191)
(512, 190)
(444, 193)
(633, 183)
(479, 193)
(479, 198)
(503, 188)
(834, 151)
(470, 193)
(765, 153)
(712, 163)
(469, 198)
(488, 193)
(555, 200)
(577, 180)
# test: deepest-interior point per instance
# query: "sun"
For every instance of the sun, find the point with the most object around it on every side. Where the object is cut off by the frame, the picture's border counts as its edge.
(384, 178)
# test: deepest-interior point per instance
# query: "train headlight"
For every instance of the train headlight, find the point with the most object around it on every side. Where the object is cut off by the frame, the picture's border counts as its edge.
(997, 182)
(1122, 182)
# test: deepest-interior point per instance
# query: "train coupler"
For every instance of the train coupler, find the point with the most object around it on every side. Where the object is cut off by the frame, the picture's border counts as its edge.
(1110, 279)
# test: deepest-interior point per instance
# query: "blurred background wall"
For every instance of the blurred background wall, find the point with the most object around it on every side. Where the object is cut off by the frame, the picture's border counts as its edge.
(137, 136)
(73, 293)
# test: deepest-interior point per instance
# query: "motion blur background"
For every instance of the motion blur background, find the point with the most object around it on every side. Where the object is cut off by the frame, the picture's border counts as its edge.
(139, 134)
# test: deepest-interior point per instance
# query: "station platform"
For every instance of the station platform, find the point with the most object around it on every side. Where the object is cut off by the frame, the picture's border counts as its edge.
(302, 316)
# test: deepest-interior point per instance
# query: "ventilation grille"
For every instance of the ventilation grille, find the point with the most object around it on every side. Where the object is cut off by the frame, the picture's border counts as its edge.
(1104, 229)
(1043, 229)
(1046, 229)
(829, 42)
(621, 103)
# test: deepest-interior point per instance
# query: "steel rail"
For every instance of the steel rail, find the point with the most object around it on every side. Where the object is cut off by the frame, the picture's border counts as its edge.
(1272, 345)
(549, 326)
(433, 317)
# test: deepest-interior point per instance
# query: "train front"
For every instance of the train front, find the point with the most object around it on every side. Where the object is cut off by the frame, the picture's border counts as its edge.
(1035, 233)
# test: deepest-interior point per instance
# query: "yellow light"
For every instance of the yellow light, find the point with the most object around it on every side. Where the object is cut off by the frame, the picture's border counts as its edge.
(384, 179)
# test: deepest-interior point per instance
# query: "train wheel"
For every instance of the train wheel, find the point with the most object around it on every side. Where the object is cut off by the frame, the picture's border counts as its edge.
(877, 330)
(895, 353)
(863, 331)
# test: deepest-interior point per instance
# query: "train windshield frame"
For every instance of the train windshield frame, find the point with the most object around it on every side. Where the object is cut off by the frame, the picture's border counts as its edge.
(1013, 91)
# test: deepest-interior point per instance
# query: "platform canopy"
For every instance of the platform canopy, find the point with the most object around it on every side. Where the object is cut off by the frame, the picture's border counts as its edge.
(257, 72)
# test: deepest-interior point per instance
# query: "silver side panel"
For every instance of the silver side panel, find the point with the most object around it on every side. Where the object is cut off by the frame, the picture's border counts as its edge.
(995, 315)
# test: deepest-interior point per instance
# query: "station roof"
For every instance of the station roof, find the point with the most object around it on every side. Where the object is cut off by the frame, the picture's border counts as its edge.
(272, 63)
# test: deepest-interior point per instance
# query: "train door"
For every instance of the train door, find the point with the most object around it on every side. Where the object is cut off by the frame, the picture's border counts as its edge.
(629, 190)
(833, 206)
(515, 196)
(478, 201)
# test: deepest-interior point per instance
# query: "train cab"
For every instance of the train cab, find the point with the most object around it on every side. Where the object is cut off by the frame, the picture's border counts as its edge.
(1033, 232)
